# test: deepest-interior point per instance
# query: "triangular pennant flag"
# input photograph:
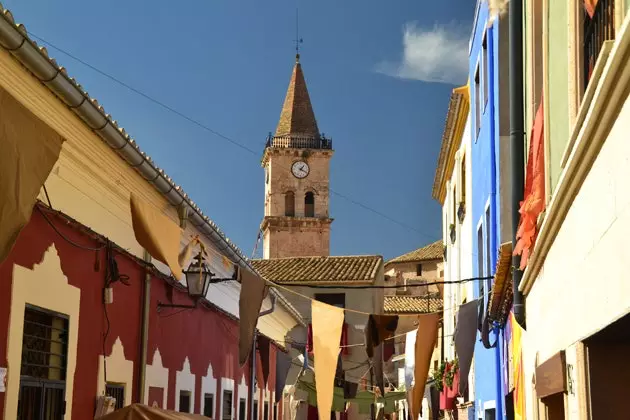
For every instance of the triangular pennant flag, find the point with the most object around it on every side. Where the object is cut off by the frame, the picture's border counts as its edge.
(30, 149)
(156, 233)
(283, 363)
(425, 343)
(465, 335)
(327, 323)
(264, 345)
(253, 291)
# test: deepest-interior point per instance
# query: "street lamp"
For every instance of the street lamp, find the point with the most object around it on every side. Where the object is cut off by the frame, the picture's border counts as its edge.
(198, 280)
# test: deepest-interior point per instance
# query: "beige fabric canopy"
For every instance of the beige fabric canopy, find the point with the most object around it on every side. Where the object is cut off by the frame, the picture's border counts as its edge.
(143, 412)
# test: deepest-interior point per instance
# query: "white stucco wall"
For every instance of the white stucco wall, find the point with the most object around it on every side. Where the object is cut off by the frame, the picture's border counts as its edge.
(226, 384)
(185, 381)
(156, 376)
(583, 283)
(243, 393)
(209, 386)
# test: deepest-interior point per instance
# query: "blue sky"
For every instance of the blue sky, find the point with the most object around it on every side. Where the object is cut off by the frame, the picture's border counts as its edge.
(379, 77)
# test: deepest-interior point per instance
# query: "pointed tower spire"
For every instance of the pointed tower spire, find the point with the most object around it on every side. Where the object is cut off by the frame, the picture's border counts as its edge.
(297, 117)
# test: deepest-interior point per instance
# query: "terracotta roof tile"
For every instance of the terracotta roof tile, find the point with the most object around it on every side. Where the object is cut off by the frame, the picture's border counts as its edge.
(319, 269)
(411, 304)
(434, 251)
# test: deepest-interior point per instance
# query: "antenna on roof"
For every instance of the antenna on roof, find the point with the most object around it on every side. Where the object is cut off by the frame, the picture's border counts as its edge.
(298, 40)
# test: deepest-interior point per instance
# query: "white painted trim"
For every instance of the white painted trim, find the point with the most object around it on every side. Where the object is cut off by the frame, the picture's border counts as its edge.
(47, 287)
(227, 384)
(489, 405)
(208, 386)
(157, 377)
(185, 381)
(243, 393)
(119, 371)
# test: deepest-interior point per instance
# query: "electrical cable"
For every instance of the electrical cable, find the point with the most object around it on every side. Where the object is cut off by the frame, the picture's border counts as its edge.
(220, 135)
(64, 237)
(397, 286)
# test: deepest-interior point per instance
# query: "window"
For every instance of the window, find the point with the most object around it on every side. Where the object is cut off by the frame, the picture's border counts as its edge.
(116, 391)
(598, 26)
(275, 412)
(266, 411)
(484, 59)
(490, 414)
(309, 204)
(435, 366)
(242, 409)
(481, 284)
(289, 204)
(184, 402)
(43, 363)
(462, 181)
(208, 405)
(227, 405)
(477, 103)
(255, 410)
(419, 270)
(334, 299)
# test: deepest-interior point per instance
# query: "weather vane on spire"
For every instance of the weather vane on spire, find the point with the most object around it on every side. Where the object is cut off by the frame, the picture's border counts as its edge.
(298, 40)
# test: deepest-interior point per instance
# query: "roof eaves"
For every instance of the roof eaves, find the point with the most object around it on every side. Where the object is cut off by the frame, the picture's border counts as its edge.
(14, 38)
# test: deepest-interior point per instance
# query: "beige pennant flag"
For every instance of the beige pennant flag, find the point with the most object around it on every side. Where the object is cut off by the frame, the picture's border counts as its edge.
(186, 253)
(425, 343)
(253, 292)
(28, 151)
(156, 233)
(327, 324)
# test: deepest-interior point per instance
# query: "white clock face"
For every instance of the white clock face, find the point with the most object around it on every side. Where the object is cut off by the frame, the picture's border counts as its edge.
(300, 169)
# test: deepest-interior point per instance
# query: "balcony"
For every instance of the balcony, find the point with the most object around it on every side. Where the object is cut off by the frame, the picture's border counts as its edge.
(299, 142)
(598, 27)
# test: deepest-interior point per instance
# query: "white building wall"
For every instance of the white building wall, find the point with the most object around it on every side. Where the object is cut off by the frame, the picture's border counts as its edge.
(583, 283)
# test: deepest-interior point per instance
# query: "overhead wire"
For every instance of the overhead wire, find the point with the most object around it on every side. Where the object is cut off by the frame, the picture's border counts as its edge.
(217, 133)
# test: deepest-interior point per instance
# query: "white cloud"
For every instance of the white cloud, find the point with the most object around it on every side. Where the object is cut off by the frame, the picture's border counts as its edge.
(438, 54)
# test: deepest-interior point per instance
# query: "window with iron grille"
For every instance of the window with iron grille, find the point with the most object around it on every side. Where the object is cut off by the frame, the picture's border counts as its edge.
(208, 405)
(598, 27)
(255, 410)
(43, 365)
(266, 411)
(116, 391)
(227, 405)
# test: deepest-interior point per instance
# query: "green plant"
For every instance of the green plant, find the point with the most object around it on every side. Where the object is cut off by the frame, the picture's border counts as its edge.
(438, 377)
(450, 373)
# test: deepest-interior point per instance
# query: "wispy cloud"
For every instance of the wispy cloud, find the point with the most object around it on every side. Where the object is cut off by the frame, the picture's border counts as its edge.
(438, 54)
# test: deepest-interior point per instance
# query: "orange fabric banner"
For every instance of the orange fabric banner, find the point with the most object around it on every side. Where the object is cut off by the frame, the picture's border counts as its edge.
(327, 323)
(590, 6)
(156, 233)
(426, 338)
(28, 151)
(534, 194)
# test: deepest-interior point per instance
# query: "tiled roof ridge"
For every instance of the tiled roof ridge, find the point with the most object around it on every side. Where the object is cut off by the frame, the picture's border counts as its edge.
(411, 255)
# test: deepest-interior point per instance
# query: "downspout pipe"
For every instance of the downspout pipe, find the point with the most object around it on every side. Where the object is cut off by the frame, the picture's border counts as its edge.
(252, 379)
(144, 332)
(517, 143)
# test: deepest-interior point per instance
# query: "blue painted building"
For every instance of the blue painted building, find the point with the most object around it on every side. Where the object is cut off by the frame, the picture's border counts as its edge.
(491, 223)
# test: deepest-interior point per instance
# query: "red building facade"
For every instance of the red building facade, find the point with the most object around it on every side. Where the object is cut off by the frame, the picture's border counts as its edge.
(201, 337)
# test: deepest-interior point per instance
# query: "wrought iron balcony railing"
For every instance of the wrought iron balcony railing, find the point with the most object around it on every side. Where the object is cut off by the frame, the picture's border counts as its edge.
(299, 142)
(597, 28)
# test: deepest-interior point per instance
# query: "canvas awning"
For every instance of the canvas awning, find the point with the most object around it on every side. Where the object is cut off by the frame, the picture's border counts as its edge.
(143, 412)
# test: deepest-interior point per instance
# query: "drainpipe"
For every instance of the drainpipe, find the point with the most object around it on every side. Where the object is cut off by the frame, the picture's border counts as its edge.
(252, 381)
(144, 333)
(517, 137)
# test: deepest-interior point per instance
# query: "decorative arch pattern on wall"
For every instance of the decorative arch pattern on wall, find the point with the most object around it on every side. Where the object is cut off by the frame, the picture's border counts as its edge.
(209, 386)
(156, 377)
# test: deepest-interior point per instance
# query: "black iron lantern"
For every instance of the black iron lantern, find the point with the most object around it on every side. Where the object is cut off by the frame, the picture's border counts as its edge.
(198, 277)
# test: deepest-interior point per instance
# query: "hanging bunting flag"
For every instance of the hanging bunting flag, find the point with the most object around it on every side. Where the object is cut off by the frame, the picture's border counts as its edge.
(156, 233)
(184, 255)
(264, 345)
(30, 149)
(253, 292)
(410, 358)
(425, 343)
(327, 323)
(283, 364)
(517, 366)
(465, 335)
(590, 6)
(378, 329)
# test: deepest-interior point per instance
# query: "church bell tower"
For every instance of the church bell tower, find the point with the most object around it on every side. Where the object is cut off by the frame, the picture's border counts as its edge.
(297, 175)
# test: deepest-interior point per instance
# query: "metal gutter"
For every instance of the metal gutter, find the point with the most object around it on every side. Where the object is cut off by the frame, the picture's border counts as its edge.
(14, 38)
